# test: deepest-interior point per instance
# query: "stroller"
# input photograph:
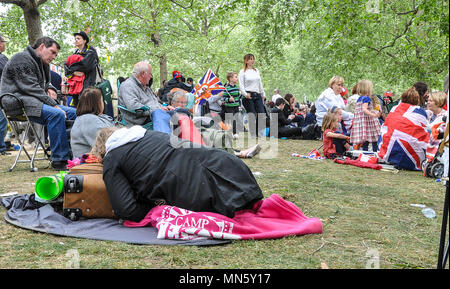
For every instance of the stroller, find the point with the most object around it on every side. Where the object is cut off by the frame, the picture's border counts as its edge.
(433, 165)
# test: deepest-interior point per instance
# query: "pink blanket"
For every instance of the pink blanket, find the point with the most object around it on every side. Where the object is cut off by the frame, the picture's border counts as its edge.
(270, 218)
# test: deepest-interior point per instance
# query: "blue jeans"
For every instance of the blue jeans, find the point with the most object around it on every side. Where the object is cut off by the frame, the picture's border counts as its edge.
(161, 121)
(3, 127)
(254, 106)
(55, 121)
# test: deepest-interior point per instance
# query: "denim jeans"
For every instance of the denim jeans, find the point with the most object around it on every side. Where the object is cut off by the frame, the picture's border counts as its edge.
(3, 127)
(254, 107)
(55, 121)
(161, 121)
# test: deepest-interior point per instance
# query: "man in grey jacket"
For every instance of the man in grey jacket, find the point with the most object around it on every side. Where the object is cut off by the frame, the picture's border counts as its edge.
(27, 75)
(136, 96)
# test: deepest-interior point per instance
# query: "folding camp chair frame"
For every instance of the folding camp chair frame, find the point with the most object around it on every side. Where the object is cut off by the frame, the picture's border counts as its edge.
(121, 121)
(12, 120)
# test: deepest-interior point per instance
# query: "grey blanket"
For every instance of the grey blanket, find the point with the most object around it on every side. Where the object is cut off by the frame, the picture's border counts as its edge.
(25, 212)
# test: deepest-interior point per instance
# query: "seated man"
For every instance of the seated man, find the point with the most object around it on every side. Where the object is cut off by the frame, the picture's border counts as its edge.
(284, 130)
(134, 94)
(27, 75)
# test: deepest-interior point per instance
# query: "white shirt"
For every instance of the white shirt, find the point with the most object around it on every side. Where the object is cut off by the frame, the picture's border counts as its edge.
(250, 80)
(275, 97)
(326, 101)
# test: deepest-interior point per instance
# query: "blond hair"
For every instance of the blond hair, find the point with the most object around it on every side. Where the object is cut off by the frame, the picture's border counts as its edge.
(328, 120)
(99, 148)
(365, 87)
(439, 98)
(335, 79)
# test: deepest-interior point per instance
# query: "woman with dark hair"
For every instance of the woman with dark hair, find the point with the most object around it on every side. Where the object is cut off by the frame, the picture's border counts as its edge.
(290, 108)
(422, 89)
(90, 119)
(81, 67)
(251, 87)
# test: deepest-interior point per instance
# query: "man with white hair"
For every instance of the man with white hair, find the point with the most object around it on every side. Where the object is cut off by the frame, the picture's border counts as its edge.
(276, 95)
(135, 95)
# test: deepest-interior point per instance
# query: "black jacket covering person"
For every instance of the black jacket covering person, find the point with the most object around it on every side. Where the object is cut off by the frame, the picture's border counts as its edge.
(139, 174)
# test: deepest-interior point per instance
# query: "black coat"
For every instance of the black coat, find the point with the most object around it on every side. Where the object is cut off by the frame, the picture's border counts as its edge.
(282, 119)
(160, 167)
(88, 65)
(171, 84)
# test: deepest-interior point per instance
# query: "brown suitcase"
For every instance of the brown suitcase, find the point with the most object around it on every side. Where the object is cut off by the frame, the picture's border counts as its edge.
(85, 193)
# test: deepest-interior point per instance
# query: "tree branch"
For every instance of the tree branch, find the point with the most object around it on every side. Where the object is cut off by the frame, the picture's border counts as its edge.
(184, 7)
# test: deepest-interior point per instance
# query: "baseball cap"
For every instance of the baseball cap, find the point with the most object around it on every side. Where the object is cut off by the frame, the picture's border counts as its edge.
(388, 93)
(344, 91)
(176, 74)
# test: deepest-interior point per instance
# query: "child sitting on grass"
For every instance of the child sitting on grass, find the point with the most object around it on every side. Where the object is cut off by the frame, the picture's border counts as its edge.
(337, 111)
(334, 143)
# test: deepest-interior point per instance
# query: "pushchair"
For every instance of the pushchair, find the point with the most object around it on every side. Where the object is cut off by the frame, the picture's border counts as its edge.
(433, 165)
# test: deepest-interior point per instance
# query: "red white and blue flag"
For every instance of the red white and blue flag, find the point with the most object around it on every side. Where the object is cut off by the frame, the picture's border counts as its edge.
(404, 137)
(207, 86)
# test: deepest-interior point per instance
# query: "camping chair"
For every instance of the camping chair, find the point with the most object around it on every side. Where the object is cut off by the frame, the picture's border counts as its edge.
(121, 121)
(17, 115)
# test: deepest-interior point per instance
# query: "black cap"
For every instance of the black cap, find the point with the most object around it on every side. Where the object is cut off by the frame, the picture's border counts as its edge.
(82, 34)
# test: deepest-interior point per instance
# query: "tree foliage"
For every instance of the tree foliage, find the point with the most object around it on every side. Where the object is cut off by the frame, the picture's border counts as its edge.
(299, 44)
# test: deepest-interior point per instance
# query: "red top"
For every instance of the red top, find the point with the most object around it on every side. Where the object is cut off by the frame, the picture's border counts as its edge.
(328, 145)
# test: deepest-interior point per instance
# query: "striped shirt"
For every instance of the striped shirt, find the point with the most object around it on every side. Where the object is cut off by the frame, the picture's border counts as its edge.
(231, 91)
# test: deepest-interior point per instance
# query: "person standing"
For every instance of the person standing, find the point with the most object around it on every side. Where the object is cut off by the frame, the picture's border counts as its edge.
(81, 66)
(251, 87)
(3, 122)
(27, 75)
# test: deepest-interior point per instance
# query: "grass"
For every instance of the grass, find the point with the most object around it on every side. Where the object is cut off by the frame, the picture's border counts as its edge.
(364, 212)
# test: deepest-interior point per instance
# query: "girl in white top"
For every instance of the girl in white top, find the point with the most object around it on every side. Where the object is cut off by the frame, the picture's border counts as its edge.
(250, 85)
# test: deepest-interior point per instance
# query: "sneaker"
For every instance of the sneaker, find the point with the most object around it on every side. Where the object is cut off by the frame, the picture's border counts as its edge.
(59, 165)
(5, 153)
(235, 136)
(253, 151)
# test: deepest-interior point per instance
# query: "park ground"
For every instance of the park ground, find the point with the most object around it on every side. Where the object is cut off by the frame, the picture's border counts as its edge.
(366, 214)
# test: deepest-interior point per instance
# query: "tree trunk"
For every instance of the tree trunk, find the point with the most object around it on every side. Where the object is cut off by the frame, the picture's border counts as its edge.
(162, 68)
(33, 23)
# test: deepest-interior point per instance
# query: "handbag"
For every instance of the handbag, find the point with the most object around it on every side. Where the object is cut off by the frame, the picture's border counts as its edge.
(104, 85)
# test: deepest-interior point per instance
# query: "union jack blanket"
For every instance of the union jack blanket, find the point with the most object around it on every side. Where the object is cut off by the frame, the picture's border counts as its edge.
(404, 137)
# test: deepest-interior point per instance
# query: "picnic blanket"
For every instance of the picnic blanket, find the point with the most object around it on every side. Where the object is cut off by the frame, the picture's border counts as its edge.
(270, 218)
(25, 212)
(357, 163)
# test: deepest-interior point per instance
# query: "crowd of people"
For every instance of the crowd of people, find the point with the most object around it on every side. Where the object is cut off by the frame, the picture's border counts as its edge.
(362, 121)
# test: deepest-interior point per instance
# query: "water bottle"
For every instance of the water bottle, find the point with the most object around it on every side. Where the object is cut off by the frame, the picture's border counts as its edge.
(429, 213)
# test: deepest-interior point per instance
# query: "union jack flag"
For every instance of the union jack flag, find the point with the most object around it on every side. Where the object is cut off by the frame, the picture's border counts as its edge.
(207, 86)
(404, 137)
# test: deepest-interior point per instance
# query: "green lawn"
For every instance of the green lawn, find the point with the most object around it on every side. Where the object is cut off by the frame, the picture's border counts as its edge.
(365, 213)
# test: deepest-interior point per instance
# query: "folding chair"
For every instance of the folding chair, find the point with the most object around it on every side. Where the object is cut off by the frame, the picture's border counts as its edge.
(120, 120)
(15, 113)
